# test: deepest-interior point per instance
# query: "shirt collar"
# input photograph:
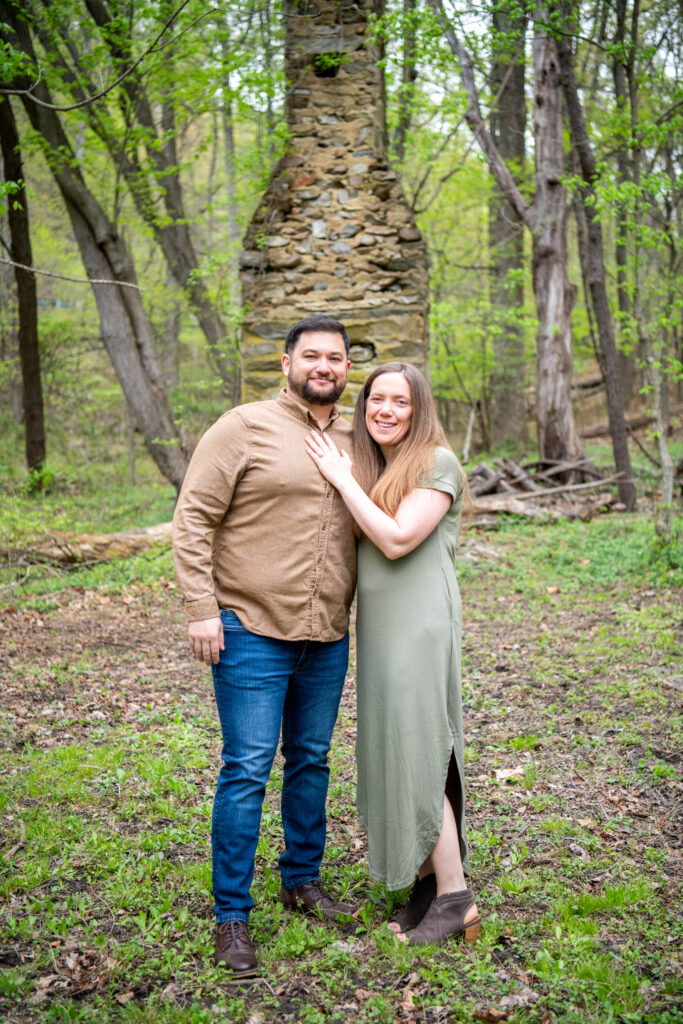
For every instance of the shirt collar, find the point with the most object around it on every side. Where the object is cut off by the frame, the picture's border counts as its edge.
(289, 402)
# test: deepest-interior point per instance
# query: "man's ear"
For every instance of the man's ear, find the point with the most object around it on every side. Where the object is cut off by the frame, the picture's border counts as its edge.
(285, 364)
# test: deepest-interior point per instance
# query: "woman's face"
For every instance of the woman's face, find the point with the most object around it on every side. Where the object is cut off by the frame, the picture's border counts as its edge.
(389, 409)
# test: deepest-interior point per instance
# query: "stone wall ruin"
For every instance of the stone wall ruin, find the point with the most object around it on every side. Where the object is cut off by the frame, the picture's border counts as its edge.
(333, 232)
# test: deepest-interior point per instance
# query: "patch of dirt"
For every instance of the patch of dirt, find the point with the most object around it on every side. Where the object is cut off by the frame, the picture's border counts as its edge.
(556, 727)
(92, 662)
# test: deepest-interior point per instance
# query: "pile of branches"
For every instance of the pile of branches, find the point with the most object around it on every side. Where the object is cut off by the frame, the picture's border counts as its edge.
(559, 488)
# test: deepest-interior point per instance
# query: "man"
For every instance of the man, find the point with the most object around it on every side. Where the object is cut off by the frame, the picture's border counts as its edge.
(266, 562)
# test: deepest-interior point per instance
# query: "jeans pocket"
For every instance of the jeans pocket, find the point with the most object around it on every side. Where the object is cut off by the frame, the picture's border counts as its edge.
(230, 621)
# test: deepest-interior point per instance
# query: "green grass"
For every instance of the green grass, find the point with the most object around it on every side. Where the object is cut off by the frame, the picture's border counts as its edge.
(571, 736)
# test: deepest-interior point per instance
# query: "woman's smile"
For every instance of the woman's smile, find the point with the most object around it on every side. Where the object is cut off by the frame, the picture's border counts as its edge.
(389, 409)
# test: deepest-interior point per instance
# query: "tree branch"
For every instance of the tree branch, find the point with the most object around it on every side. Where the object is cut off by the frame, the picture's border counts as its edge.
(152, 48)
(63, 277)
(474, 118)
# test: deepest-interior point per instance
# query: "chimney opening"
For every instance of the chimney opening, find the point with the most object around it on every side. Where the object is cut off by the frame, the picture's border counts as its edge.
(326, 65)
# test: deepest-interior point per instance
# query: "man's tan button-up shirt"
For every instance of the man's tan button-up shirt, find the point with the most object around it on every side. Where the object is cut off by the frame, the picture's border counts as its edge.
(258, 530)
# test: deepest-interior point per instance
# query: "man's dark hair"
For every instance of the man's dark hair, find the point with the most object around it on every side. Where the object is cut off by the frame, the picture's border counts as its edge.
(317, 322)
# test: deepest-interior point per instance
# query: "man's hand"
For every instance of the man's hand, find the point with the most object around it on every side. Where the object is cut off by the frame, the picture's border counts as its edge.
(206, 639)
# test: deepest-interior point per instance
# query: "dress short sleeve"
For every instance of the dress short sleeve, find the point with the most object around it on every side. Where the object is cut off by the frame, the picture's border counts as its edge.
(446, 474)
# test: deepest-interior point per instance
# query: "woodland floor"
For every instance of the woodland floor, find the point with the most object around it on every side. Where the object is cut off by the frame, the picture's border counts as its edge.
(573, 683)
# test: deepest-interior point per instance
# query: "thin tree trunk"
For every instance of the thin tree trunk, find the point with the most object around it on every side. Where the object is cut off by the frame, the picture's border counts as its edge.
(506, 239)
(229, 158)
(595, 275)
(619, 66)
(29, 352)
(268, 56)
(408, 79)
(664, 514)
(171, 341)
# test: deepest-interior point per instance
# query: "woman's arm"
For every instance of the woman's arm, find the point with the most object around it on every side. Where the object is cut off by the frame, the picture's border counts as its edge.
(416, 517)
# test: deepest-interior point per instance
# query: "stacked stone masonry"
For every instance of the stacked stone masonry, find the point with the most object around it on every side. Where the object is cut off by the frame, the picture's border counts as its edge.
(333, 232)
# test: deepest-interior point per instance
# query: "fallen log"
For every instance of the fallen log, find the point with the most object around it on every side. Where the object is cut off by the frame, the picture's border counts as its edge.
(73, 549)
(487, 485)
(518, 475)
(513, 506)
(634, 423)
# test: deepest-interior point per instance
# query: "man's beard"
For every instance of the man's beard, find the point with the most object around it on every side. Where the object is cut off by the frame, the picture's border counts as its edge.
(303, 389)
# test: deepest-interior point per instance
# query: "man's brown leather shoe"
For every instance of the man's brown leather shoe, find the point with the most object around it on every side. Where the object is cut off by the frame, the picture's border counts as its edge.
(234, 948)
(314, 899)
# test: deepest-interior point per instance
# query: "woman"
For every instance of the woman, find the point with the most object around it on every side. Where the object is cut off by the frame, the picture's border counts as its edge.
(405, 491)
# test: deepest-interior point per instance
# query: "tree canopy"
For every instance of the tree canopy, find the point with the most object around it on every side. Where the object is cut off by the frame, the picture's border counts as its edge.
(147, 132)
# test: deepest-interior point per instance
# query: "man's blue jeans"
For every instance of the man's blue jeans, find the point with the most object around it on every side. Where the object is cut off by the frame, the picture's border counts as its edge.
(263, 685)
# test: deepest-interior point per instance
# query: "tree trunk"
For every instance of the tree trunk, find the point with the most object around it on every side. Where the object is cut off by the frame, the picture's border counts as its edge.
(545, 219)
(595, 276)
(506, 238)
(408, 79)
(265, 15)
(619, 65)
(29, 353)
(229, 158)
(557, 435)
(125, 328)
(171, 341)
(664, 514)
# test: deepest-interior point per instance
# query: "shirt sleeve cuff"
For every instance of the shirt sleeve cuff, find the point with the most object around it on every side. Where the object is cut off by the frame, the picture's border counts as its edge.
(204, 608)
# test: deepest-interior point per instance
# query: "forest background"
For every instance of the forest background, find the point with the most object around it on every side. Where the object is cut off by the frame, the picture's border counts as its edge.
(153, 128)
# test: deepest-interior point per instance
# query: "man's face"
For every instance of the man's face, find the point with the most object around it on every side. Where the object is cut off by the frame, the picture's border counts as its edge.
(317, 368)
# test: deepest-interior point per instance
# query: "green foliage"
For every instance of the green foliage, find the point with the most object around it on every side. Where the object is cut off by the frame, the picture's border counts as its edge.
(613, 549)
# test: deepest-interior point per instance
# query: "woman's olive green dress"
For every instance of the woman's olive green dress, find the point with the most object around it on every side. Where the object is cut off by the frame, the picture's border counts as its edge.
(410, 740)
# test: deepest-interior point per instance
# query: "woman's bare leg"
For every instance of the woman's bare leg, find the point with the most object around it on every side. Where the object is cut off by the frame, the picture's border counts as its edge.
(445, 856)
(446, 862)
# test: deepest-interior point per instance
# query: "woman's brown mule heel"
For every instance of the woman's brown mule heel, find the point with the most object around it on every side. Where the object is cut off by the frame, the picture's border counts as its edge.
(419, 901)
(446, 917)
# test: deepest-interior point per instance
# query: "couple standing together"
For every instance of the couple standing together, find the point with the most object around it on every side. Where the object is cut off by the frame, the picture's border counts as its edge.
(265, 538)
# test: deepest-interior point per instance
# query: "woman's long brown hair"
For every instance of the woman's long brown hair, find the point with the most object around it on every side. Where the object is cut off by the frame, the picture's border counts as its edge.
(388, 484)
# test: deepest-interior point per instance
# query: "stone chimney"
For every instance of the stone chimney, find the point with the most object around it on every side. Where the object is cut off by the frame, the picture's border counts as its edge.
(333, 232)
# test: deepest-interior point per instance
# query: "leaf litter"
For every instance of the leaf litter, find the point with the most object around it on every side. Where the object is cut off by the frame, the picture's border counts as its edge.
(569, 745)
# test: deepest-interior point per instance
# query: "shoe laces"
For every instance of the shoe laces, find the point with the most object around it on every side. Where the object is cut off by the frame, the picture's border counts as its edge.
(319, 891)
(232, 930)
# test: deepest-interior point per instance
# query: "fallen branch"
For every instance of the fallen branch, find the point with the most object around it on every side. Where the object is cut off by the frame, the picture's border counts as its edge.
(592, 484)
(91, 548)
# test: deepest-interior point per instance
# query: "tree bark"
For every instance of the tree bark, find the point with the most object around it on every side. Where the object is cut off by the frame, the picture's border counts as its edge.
(595, 275)
(545, 218)
(229, 158)
(506, 237)
(125, 328)
(20, 241)
(408, 79)
(664, 515)
(557, 435)
(619, 70)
